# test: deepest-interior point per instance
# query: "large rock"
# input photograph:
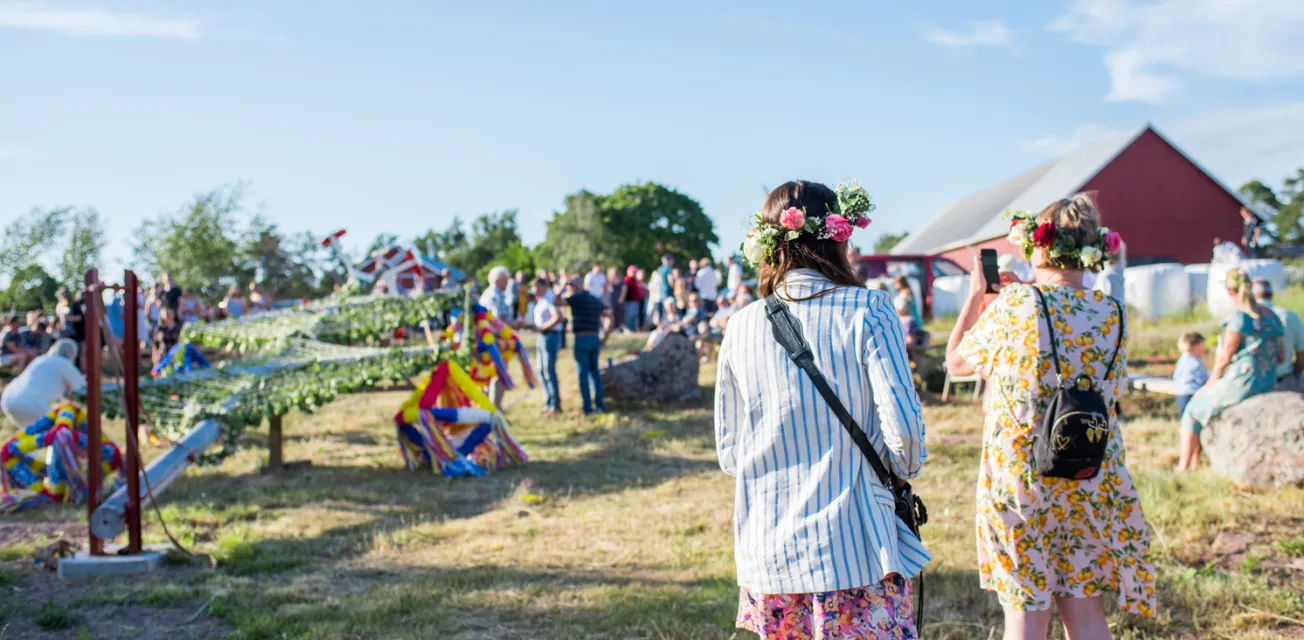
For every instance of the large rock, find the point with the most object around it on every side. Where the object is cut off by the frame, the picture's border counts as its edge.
(667, 373)
(1259, 443)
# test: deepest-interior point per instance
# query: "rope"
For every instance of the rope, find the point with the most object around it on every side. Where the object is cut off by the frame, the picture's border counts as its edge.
(133, 439)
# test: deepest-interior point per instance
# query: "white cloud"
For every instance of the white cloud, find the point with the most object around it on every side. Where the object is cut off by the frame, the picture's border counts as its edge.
(1151, 45)
(1055, 145)
(1238, 145)
(987, 33)
(96, 23)
(1235, 144)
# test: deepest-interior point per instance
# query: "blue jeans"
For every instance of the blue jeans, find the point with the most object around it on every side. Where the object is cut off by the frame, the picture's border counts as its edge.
(631, 316)
(549, 347)
(587, 349)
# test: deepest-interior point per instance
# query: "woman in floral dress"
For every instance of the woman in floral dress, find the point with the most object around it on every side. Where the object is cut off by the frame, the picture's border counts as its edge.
(1043, 539)
(1251, 348)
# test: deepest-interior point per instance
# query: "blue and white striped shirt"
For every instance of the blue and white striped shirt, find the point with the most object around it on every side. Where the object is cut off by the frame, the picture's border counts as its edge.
(809, 512)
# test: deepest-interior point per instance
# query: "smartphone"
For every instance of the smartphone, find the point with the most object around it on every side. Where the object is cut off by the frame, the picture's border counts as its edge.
(991, 272)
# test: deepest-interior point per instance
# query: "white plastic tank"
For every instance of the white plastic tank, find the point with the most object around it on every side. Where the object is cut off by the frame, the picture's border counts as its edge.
(1157, 290)
(1198, 276)
(949, 293)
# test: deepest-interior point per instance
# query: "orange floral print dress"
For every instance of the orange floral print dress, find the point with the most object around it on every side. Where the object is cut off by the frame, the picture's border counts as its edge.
(1045, 538)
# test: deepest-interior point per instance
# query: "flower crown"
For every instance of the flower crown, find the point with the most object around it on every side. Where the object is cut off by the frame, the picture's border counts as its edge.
(1236, 279)
(851, 212)
(1061, 248)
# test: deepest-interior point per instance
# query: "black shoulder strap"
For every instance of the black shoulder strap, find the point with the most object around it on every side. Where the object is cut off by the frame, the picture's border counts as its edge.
(1050, 327)
(1118, 344)
(787, 331)
(1054, 350)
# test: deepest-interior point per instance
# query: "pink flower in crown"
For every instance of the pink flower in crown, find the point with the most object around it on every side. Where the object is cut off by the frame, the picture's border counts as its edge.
(1113, 242)
(793, 218)
(862, 222)
(838, 228)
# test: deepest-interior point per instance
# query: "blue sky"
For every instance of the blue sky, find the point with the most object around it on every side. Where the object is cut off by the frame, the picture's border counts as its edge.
(394, 116)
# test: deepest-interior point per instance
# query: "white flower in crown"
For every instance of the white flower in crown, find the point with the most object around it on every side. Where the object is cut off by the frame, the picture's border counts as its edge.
(753, 251)
(1090, 256)
(1017, 237)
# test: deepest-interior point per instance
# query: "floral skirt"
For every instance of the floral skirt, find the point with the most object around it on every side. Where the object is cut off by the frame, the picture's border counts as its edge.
(879, 611)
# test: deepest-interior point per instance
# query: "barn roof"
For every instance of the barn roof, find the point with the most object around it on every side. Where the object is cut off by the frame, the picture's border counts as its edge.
(977, 216)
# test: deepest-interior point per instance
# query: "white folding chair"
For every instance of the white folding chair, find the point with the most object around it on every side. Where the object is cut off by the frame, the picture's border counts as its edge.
(975, 379)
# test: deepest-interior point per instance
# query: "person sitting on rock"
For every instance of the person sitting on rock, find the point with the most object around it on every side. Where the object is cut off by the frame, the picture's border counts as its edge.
(1249, 352)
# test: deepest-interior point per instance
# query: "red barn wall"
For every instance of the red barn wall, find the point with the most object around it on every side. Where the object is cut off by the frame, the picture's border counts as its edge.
(964, 255)
(1165, 208)
(1163, 205)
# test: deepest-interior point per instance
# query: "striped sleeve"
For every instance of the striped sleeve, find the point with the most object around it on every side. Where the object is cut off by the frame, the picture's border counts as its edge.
(728, 411)
(894, 390)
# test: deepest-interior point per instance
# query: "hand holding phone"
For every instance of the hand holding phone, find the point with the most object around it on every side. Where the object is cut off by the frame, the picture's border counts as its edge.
(991, 270)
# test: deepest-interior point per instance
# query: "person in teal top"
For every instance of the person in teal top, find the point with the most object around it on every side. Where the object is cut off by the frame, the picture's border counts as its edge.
(1252, 346)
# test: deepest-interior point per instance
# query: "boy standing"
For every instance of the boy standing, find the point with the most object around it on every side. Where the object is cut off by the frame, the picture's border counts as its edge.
(1191, 373)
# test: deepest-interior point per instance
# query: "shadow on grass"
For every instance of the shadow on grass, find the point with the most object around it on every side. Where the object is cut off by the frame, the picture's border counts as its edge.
(392, 498)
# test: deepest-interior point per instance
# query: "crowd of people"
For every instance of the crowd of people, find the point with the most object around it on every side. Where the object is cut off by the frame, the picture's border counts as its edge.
(602, 301)
(28, 343)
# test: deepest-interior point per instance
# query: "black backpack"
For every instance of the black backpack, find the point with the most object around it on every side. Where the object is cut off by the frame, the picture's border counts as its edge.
(1074, 433)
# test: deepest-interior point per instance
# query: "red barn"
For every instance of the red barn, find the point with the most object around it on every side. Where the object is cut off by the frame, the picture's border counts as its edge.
(1167, 207)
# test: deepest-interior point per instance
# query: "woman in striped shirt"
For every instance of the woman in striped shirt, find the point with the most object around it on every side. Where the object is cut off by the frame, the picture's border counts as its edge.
(819, 550)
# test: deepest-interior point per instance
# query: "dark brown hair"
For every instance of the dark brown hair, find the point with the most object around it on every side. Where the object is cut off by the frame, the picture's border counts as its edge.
(827, 257)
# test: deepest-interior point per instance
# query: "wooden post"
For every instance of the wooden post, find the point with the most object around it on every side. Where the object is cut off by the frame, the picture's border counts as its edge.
(131, 391)
(91, 367)
(275, 444)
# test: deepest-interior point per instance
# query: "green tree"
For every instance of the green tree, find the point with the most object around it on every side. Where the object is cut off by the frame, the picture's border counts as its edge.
(885, 242)
(30, 287)
(199, 244)
(1285, 207)
(381, 242)
(651, 219)
(1290, 213)
(579, 236)
(263, 257)
(442, 244)
(516, 257)
(84, 244)
(27, 240)
(634, 225)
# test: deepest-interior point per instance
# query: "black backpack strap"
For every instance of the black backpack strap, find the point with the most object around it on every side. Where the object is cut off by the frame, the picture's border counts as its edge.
(1118, 344)
(787, 331)
(1050, 327)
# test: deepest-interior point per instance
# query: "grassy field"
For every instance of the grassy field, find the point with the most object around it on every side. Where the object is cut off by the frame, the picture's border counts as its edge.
(620, 527)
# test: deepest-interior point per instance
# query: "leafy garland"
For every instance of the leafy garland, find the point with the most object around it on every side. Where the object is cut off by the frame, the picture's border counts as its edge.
(252, 334)
(355, 321)
(376, 319)
(243, 395)
(243, 398)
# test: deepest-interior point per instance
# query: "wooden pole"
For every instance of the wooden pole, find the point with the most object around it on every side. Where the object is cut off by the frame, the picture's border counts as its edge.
(91, 365)
(131, 389)
(275, 444)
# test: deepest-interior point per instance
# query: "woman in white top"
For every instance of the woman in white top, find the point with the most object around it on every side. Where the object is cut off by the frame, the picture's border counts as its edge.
(819, 550)
(43, 383)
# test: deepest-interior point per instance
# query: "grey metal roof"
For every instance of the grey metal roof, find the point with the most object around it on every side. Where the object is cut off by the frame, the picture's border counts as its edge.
(977, 217)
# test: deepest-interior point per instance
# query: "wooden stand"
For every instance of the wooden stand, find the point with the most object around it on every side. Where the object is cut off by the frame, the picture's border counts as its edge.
(275, 444)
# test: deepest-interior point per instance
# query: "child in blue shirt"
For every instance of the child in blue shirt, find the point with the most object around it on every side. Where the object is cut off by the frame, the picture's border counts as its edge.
(1191, 373)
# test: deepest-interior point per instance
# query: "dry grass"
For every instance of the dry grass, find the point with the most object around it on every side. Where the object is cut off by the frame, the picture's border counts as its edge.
(619, 528)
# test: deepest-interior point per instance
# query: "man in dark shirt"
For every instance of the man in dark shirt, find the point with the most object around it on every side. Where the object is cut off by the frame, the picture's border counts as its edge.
(590, 324)
(171, 293)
